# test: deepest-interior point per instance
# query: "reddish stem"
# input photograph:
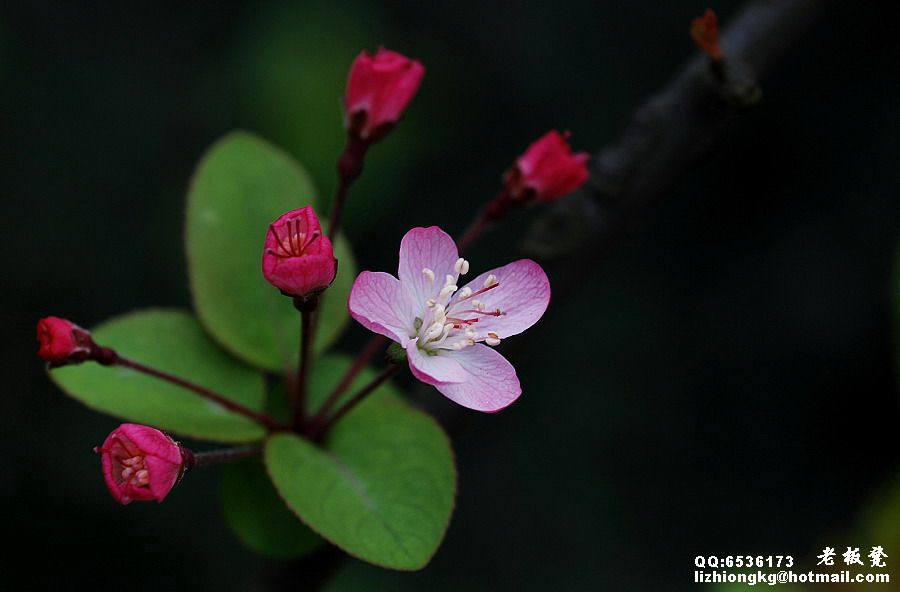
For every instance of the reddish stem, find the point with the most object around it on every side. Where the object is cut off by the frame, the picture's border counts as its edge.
(226, 454)
(256, 416)
(492, 212)
(374, 345)
(317, 430)
(350, 165)
(300, 388)
(474, 231)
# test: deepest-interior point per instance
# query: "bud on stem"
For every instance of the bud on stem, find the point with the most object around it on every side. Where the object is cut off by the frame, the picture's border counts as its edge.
(349, 167)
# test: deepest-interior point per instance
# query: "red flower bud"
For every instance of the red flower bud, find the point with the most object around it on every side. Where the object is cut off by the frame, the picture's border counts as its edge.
(63, 342)
(378, 90)
(298, 258)
(548, 170)
(141, 463)
(705, 31)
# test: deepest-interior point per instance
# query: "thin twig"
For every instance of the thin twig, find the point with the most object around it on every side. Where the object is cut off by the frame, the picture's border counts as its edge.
(317, 430)
(256, 416)
(375, 344)
(299, 391)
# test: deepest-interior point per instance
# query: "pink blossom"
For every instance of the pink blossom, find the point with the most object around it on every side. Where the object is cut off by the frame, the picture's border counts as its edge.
(548, 170)
(379, 88)
(449, 332)
(63, 342)
(298, 259)
(141, 463)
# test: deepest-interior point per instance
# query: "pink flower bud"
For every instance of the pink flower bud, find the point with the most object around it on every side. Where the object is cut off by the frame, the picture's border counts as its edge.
(548, 170)
(63, 342)
(298, 258)
(378, 90)
(141, 463)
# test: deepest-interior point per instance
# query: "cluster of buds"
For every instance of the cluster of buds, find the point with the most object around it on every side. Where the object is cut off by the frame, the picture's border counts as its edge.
(143, 463)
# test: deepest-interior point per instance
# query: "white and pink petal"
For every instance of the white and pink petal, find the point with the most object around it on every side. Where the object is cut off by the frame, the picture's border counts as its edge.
(426, 248)
(522, 297)
(492, 384)
(382, 304)
(433, 368)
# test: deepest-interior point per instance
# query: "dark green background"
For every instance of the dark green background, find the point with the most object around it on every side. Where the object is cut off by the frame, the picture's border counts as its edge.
(724, 384)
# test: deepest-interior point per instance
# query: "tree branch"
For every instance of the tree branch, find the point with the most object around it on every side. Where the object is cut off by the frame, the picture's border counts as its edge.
(670, 132)
(667, 134)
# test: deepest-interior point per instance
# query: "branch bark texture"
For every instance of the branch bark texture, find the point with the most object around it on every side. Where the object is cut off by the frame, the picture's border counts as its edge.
(670, 132)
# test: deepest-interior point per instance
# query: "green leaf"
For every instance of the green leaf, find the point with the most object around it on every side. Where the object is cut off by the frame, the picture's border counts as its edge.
(242, 185)
(381, 487)
(175, 342)
(259, 518)
(252, 506)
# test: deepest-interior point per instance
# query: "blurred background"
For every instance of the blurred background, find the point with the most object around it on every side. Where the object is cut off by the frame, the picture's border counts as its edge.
(725, 383)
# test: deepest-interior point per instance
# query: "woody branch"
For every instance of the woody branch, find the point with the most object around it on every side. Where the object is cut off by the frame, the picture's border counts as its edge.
(668, 133)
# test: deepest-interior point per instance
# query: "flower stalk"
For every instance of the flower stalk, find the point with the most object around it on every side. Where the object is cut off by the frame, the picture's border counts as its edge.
(492, 212)
(300, 388)
(113, 358)
(196, 459)
(350, 166)
(320, 425)
(379, 87)
(63, 343)
(375, 344)
(546, 171)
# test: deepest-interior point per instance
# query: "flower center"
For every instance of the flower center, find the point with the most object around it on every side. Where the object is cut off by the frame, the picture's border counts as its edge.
(128, 464)
(134, 472)
(451, 320)
(291, 238)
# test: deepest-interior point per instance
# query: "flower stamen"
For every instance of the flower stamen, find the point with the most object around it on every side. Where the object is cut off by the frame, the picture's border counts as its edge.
(461, 266)
(483, 290)
(293, 239)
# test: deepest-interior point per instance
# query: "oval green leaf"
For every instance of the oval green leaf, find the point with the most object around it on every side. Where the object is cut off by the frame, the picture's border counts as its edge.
(251, 505)
(259, 518)
(175, 342)
(381, 488)
(242, 185)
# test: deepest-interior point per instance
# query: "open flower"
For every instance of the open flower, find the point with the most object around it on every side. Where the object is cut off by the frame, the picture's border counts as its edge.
(63, 342)
(379, 88)
(141, 463)
(448, 332)
(298, 259)
(548, 170)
